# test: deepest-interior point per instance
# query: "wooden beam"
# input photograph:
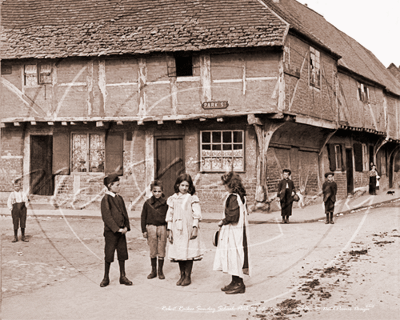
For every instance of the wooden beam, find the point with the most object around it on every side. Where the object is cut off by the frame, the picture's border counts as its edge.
(120, 123)
(16, 124)
(140, 122)
(202, 119)
(33, 123)
(72, 123)
(2, 125)
(220, 119)
(252, 119)
(50, 123)
(64, 123)
(178, 121)
(160, 122)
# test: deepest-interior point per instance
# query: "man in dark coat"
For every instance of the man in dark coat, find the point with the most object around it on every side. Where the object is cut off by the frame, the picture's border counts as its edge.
(116, 225)
(286, 191)
(329, 189)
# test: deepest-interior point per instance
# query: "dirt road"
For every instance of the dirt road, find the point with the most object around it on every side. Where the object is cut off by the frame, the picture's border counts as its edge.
(348, 270)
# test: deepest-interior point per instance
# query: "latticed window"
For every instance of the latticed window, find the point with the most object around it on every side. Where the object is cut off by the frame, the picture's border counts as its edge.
(88, 151)
(222, 150)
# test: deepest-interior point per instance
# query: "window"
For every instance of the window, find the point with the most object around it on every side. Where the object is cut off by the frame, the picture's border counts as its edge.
(37, 74)
(315, 72)
(335, 155)
(222, 150)
(286, 56)
(365, 157)
(363, 93)
(88, 150)
(184, 66)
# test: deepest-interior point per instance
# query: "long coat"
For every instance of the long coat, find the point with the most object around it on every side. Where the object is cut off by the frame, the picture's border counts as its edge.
(232, 251)
(329, 189)
(285, 189)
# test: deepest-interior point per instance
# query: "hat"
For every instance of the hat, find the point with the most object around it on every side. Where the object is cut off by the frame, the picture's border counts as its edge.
(215, 238)
(112, 177)
(329, 174)
(288, 171)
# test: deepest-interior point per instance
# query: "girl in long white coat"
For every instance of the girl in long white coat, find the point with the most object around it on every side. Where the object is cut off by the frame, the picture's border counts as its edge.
(232, 254)
(183, 218)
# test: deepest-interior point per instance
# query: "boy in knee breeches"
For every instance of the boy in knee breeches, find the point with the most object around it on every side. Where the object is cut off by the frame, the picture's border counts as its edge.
(116, 225)
(329, 189)
(17, 203)
(154, 228)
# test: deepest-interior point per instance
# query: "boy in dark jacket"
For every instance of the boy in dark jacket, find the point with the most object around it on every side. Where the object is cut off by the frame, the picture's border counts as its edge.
(116, 225)
(329, 189)
(154, 228)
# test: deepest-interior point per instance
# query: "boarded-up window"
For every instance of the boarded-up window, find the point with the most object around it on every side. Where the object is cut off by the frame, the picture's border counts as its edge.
(222, 150)
(358, 156)
(335, 154)
(45, 74)
(114, 152)
(60, 153)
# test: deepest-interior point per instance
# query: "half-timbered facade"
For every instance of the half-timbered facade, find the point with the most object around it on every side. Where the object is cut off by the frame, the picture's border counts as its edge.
(205, 87)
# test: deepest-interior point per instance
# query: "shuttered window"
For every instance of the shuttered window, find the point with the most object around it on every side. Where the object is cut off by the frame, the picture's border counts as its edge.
(335, 154)
(114, 152)
(358, 156)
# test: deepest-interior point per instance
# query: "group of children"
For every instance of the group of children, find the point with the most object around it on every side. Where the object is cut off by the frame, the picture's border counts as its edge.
(176, 219)
(286, 195)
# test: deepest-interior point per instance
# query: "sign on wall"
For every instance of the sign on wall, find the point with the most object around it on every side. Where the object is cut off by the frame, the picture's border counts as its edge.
(215, 105)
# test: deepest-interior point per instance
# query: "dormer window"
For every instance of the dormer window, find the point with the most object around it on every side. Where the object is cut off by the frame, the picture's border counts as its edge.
(363, 93)
(315, 71)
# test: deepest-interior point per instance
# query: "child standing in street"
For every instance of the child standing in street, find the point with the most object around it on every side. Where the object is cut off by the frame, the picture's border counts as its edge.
(183, 218)
(154, 228)
(329, 189)
(232, 254)
(116, 225)
(17, 203)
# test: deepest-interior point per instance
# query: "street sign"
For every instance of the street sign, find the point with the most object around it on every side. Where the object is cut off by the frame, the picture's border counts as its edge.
(215, 105)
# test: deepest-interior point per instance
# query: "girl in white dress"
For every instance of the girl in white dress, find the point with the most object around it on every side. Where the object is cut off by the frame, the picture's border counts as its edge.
(183, 216)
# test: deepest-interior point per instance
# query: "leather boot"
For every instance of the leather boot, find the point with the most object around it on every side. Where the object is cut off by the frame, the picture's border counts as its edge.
(182, 270)
(331, 218)
(327, 218)
(160, 269)
(188, 273)
(239, 287)
(153, 272)
(231, 285)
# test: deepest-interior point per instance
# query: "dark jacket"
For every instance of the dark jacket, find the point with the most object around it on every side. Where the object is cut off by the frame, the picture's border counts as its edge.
(154, 212)
(329, 188)
(282, 189)
(114, 214)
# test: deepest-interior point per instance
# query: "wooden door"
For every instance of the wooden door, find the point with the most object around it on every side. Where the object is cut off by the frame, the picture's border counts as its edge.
(41, 177)
(349, 170)
(169, 162)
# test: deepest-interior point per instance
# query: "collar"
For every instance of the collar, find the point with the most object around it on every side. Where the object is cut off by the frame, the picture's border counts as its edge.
(161, 200)
(110, 193)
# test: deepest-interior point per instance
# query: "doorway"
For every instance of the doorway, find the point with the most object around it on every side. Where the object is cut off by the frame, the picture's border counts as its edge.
(169, 162)
(41, 180)
(349, 170)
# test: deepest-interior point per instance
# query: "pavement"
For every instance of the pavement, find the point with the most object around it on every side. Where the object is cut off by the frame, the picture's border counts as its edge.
(306, 214)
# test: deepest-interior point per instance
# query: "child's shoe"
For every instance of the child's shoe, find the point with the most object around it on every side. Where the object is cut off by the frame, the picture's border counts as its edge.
(15, 239)
(105, 282)
(24, 239)
(124, 280)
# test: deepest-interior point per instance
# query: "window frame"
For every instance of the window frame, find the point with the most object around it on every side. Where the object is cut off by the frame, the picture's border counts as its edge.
(180, 68)
(243, 132)
(338, 160)
(315, 57)
(87, 160)
(38, 74)
(363, 93)
(365, 154)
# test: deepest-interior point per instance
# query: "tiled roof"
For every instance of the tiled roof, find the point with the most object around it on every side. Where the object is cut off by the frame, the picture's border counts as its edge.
(61, 28)
(354, 56)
